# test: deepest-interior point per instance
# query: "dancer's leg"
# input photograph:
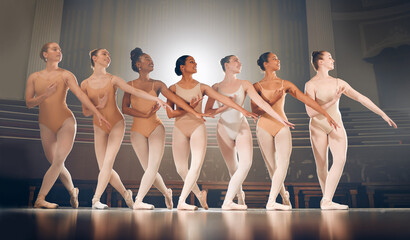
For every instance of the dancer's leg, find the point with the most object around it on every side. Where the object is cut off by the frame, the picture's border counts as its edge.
(60, 147)
(338, 147)
(112, 146)
(319, 140)
(198, 148)
(245, 151)
(269, 149)
(156, 142)
(228, 151)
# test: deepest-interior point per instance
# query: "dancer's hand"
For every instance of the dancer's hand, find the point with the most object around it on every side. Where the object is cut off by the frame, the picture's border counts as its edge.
(52, 88)
(389, 121)
(277, 94)
(195, 101)
(102, 101)
(250, 114)
(164, 104)
(288, 124)
(101, 120)
(332, 122)
(153, 110)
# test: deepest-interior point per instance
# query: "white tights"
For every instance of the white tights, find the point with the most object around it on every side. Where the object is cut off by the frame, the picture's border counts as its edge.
(181, 146)
(337, 141)
(106, 149)
(149, 152)
(276, 152)
(238, 169)
(56, 148)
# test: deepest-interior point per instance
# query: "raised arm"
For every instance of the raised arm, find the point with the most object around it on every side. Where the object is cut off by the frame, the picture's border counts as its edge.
(296, 93)
(178, 100)
(72, 83)
(310, 91)
(365, 101)
(226, 100)
(210, 104)
(258, 101)
(120, 83)
(32, 99)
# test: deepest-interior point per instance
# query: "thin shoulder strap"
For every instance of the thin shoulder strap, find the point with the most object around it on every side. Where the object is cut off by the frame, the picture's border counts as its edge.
(260, 85)
(153, 85)
(282, 82)
(337, 83)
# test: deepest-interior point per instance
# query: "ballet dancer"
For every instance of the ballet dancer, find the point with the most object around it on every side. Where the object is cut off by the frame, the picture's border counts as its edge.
(48, 90)
(101, 88)
(147, 131)
(274, 138)
(326, 91)
(233, 133)
(189, 131)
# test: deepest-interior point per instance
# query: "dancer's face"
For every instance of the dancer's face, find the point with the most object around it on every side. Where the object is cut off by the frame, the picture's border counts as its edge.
(102, 58)
(145, 63)
(273, 63)
(327, 62)
(53, 53)
(234, 65)
(190, 65)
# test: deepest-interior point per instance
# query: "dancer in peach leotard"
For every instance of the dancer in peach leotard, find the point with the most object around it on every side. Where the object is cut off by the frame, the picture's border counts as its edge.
(189, 132)
(275, 139)
(326, 91)
(233, 132)
(101, 87)
(48, 90)
(147, 131)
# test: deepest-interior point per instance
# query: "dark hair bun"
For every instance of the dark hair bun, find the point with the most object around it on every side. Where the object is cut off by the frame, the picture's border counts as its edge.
(135, 57)
(180, 61)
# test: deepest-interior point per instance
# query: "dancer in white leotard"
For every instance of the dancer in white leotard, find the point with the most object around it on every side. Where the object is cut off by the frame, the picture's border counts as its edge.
(233, 133)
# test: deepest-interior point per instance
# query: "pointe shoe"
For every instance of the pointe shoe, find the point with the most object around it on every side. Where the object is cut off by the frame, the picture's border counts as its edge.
(233, 206)
(241, 198)
(286, 200)
(168, 199)
(128, 198)
(202, 199)
(139, 205)
(329, 205)
(98, 205)
(42, 203)
(187, 207)
(74, 198)
(277, 206)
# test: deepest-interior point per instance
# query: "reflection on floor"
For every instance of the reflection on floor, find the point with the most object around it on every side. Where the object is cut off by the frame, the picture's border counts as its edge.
(121, 223)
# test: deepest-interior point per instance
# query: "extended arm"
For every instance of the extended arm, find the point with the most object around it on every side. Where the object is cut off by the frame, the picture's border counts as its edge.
(126, 107)
(365, 101)
(72, 83)
(86, 112)
(210, 104)
(172, 113)
(226, 100)
(257, 100)
(296, 93)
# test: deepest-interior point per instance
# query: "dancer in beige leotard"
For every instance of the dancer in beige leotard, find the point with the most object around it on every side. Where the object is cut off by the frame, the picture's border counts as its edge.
(190, 132)
(326, 91)
(233, 133)
(275, 139)
(101, 88)
(147, 131)
(48, 90)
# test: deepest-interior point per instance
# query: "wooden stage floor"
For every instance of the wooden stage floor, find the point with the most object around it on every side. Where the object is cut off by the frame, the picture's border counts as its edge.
(122, 223)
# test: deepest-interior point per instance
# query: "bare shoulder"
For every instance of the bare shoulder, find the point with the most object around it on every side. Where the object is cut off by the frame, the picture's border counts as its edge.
(215, 86)
(173, 88)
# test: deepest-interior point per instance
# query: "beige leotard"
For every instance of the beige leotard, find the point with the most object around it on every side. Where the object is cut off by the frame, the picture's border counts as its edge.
(53, 111)
(187, 123)
(110, 111)
(320, 121)
(266, 121)
(144, 126)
